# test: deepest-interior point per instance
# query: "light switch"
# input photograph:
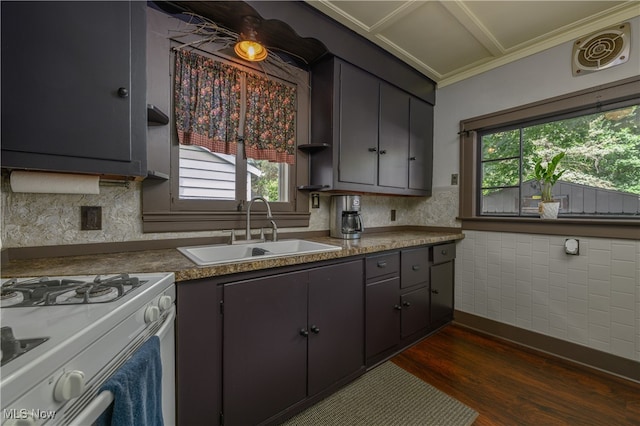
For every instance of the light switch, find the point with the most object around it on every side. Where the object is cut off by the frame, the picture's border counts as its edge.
(572, 246)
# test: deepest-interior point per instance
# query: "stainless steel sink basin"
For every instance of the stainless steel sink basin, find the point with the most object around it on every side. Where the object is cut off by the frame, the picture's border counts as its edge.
(226, 253)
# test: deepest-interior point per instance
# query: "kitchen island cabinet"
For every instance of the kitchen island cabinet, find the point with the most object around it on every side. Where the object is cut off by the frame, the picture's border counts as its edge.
(380, 137)
(74, 87)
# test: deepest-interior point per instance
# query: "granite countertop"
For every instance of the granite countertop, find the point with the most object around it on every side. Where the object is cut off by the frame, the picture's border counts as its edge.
(171, 260)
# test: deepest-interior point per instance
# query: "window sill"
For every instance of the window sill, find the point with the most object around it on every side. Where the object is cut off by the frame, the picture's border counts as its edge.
(601, 228)
(218, 221)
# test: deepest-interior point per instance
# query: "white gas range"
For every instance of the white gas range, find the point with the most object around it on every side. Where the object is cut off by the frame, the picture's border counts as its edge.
(63, 337)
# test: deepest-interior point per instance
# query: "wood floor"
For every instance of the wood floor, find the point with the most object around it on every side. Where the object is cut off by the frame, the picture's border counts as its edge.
(511, 385)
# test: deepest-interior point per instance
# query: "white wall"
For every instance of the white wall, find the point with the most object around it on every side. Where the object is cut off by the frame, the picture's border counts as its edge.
(528, 281)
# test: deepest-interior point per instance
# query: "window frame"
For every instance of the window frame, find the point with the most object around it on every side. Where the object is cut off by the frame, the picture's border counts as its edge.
(600, 96)
(164, 211)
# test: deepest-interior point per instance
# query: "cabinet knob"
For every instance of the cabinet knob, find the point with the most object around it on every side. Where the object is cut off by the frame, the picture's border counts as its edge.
(382, 264)
(315, 329)
(443, 252)
(304, 332)
(435, 291)
(406, 304)
(397, 307)
(412, 158)
(373, 149)
(416, 267)
(123, 92)
(383, 151)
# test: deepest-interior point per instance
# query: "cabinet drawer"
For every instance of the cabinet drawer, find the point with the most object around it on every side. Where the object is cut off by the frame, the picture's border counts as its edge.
(381, 265)
(415, 267)
(444, 253)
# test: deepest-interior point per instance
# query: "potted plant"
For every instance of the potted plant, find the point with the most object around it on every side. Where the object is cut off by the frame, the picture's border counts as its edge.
(546, 175)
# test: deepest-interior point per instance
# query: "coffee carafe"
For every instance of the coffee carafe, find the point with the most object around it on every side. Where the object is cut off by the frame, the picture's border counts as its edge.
(345, 221)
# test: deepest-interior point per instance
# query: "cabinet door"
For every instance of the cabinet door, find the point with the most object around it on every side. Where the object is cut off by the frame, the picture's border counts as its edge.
(441, 292)
(264, 354)
(358, 127)
(382, 316)
(336, 323)
(420, 145)
(198, 352)
(63, 64)
(394, 137)
(415, 311)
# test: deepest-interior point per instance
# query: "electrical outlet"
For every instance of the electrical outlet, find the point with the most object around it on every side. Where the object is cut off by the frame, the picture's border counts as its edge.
(393, 215)
(315, 201)
(90, 218)
(454, 179)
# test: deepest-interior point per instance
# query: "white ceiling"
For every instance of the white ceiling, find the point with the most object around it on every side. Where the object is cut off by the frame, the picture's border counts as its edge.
(450, 40)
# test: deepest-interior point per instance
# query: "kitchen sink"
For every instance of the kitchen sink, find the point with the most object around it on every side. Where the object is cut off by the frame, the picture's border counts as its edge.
(230, 253)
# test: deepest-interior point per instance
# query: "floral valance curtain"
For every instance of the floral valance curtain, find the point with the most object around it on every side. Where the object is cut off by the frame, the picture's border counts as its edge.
(207, 102)
(269, 131)
(207, 99)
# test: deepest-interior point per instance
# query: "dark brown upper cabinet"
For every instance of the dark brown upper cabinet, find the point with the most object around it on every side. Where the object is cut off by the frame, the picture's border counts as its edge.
(380, 137)
(74, 87)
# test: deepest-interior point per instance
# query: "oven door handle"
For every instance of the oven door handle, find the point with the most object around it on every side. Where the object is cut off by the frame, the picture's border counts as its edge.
(167, 324)
(101, 402)
(94, 409)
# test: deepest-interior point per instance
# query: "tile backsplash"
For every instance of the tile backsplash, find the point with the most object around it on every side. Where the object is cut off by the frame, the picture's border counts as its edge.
(30, 220)
(528, 281)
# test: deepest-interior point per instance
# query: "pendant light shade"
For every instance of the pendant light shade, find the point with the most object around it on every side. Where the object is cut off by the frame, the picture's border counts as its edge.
(248, 47)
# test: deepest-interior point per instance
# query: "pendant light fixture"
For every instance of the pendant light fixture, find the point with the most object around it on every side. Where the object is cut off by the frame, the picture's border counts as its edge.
(248, 47)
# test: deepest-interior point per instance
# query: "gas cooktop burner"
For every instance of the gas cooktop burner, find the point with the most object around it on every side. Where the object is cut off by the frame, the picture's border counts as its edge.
(46, 292)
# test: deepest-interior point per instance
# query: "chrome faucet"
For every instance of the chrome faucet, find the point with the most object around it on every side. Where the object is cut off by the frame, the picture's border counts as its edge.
(274, 228)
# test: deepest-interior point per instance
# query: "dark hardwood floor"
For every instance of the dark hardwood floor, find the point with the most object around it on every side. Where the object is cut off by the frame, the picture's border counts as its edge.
(510, 384)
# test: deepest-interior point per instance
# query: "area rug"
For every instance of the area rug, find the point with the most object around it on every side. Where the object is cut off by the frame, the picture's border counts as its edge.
(387, 395)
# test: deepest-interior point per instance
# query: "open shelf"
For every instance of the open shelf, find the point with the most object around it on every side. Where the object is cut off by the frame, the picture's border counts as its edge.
(313, 187)
(155, 117)
(313, 147)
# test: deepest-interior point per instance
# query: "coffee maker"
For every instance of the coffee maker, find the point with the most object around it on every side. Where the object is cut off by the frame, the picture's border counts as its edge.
(345, 221)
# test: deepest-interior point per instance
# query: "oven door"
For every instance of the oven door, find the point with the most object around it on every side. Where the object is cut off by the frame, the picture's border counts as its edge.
(102, 401)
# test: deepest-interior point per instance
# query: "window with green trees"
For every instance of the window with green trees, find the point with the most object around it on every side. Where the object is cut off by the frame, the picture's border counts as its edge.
(602, 163)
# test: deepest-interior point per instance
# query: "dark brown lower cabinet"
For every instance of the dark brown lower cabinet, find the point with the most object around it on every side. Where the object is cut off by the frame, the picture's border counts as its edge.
(256, 347)
(415, 311)
(198, 353)
(406, 303)
(383, 316)
(442, 293)
(288, 337)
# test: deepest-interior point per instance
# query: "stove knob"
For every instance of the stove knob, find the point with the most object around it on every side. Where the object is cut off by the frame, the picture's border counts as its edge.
(151, 314)
(70, 385)
(164, 303)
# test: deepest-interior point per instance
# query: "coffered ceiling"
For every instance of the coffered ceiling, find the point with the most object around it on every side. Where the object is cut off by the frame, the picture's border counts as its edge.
(450, 40)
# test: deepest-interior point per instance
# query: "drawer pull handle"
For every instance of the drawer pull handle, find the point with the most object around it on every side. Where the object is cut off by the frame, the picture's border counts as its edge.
(373, 149)
(416, 267)
(435, 291)
(443, 252)
(382, 264)
(397, 307)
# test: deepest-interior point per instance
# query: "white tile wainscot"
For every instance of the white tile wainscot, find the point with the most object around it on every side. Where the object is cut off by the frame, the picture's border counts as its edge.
(528, 281)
